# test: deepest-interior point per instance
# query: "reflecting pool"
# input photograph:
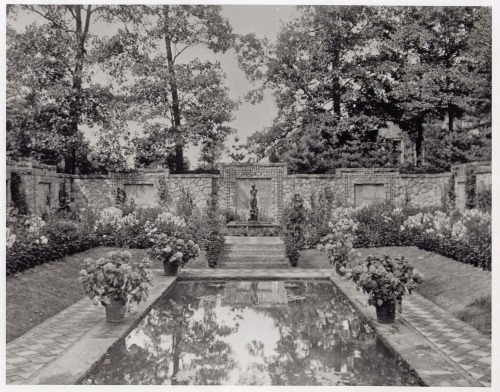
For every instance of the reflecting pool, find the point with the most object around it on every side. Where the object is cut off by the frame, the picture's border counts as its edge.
(252, 333)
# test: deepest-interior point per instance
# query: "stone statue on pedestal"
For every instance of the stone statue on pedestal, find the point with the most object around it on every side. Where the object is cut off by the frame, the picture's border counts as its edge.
(254, 211)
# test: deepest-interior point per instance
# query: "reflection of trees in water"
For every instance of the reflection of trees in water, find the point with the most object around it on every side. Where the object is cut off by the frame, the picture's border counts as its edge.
(177, 349)
(324, 341)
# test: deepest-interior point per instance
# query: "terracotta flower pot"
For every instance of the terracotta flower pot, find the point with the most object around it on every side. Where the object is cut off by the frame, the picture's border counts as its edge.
(170, 268)
(115, 311)
(386, 313)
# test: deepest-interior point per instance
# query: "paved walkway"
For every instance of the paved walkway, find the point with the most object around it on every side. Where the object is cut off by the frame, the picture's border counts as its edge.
(36, 348)
(458, 342)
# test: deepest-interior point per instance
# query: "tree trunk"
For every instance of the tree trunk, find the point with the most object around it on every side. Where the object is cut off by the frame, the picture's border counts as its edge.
(419, 143)
(450, 120)
(179, 158)
(81, 31)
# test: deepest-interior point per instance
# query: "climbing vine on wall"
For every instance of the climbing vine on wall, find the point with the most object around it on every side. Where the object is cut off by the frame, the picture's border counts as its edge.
(121, 196)
(163, 193)
(451, 193)
(470, 188)
(64, 197)
(18, 194)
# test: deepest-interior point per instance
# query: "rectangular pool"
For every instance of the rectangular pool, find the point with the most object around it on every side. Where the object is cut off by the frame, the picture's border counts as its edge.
(252, 333)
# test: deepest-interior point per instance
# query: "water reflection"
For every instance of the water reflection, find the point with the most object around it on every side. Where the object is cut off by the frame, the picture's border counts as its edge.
(252, 333)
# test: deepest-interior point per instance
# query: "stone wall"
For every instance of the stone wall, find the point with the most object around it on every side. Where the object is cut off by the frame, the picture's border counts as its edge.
(41, 185)
(200, 187)
(422, 190)
(309, 185)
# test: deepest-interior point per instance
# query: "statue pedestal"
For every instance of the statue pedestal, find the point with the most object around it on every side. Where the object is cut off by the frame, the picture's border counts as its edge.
(252, 229)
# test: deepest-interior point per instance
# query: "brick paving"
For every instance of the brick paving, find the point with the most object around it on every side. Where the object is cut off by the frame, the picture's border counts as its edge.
(463, 344)
(459, 342)
(41, 345)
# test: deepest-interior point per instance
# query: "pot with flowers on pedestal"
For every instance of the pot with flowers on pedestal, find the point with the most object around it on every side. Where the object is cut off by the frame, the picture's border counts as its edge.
(386, 281)
(115, 281)
(173, 251)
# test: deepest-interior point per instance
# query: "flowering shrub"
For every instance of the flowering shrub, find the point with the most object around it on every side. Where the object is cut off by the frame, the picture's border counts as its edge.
(318, 215)
(379, 225)
(338, 244)
(385, 279)
(464, 236)
(116, 277)
(173, 249)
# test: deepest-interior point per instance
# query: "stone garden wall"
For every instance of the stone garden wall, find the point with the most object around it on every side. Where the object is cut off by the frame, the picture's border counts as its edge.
(41, 185)
(422, 190)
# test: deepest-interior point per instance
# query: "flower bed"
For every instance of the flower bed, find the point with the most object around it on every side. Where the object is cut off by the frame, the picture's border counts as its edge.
(32, 240)
(464, 236)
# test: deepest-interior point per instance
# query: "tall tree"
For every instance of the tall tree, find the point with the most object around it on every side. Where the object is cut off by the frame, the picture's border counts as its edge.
(317, 68)
(187, 101)
(427, 69)
(50, 91)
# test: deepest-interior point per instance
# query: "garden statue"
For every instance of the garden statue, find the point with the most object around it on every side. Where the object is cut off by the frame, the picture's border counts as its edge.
(254, 211)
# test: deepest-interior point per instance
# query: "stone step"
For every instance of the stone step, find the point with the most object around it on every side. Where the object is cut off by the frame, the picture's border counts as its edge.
(253, 240)
(254, 246)
(253, 260)
(256, 265)
(260, 253)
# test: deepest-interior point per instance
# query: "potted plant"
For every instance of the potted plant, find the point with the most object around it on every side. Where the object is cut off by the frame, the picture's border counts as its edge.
(338, 244)
(173, 251)
(386, 281)
(115, 281)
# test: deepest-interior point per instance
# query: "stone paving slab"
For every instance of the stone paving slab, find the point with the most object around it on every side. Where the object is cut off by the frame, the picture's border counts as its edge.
(64, 347)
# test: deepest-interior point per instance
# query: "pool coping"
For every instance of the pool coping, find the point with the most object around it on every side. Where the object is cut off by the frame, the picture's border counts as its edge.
(430, 365)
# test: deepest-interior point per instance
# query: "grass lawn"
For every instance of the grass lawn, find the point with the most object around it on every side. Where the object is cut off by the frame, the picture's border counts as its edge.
(41, 292)
(463, 290)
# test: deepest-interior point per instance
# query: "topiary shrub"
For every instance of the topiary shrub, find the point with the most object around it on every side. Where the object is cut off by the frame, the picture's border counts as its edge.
(214, 243)
(293, 223)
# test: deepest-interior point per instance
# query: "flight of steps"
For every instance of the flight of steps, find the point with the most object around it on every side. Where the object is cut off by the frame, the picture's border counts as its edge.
(253, 252)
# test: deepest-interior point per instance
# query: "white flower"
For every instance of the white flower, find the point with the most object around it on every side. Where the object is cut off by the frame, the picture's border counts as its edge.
(178, 255)
(43, 239)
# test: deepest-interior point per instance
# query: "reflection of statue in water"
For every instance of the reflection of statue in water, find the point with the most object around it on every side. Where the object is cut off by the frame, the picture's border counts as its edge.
(254, 211)
(254, 286)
